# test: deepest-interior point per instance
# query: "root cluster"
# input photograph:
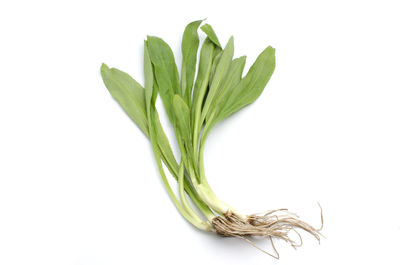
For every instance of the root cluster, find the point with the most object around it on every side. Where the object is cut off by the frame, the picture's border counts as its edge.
(273, 224)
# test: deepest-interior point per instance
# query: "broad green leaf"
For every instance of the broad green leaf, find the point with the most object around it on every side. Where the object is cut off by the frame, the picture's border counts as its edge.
(220, 72)
(203, 75)
(190, 45)
(182, 114)
(148, 79)
(128, 93)
(252, 85)
(209, 31)
(165, 72)
(232, 78)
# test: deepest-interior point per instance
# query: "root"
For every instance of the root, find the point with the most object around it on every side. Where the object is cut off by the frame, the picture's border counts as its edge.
(273, 224)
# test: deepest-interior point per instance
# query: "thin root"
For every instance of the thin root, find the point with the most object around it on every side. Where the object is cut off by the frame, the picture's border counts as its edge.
(272, 224)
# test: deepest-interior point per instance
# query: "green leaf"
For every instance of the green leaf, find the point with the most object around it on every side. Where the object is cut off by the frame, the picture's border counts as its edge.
(163, 141)
(128, 93)
(190, 45)
(151, 91)
(148, 79)
(233, 77)
(165, 72)
(216, 59)
(182, 114)
(252, 85)
(209, 31)
(220, 72)
(203, 75)
(230, 81)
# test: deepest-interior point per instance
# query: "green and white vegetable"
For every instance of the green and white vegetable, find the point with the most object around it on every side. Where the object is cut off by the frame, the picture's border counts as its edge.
(194, 107)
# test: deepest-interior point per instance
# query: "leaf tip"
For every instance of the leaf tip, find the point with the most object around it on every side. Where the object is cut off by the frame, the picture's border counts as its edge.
(104, 68)
(149, 38)
(271, 48)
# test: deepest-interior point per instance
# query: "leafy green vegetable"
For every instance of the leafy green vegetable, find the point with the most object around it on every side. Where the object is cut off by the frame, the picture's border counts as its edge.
(218, 92)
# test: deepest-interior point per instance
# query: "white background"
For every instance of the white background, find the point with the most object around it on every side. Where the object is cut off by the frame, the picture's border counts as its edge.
(78, 183)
